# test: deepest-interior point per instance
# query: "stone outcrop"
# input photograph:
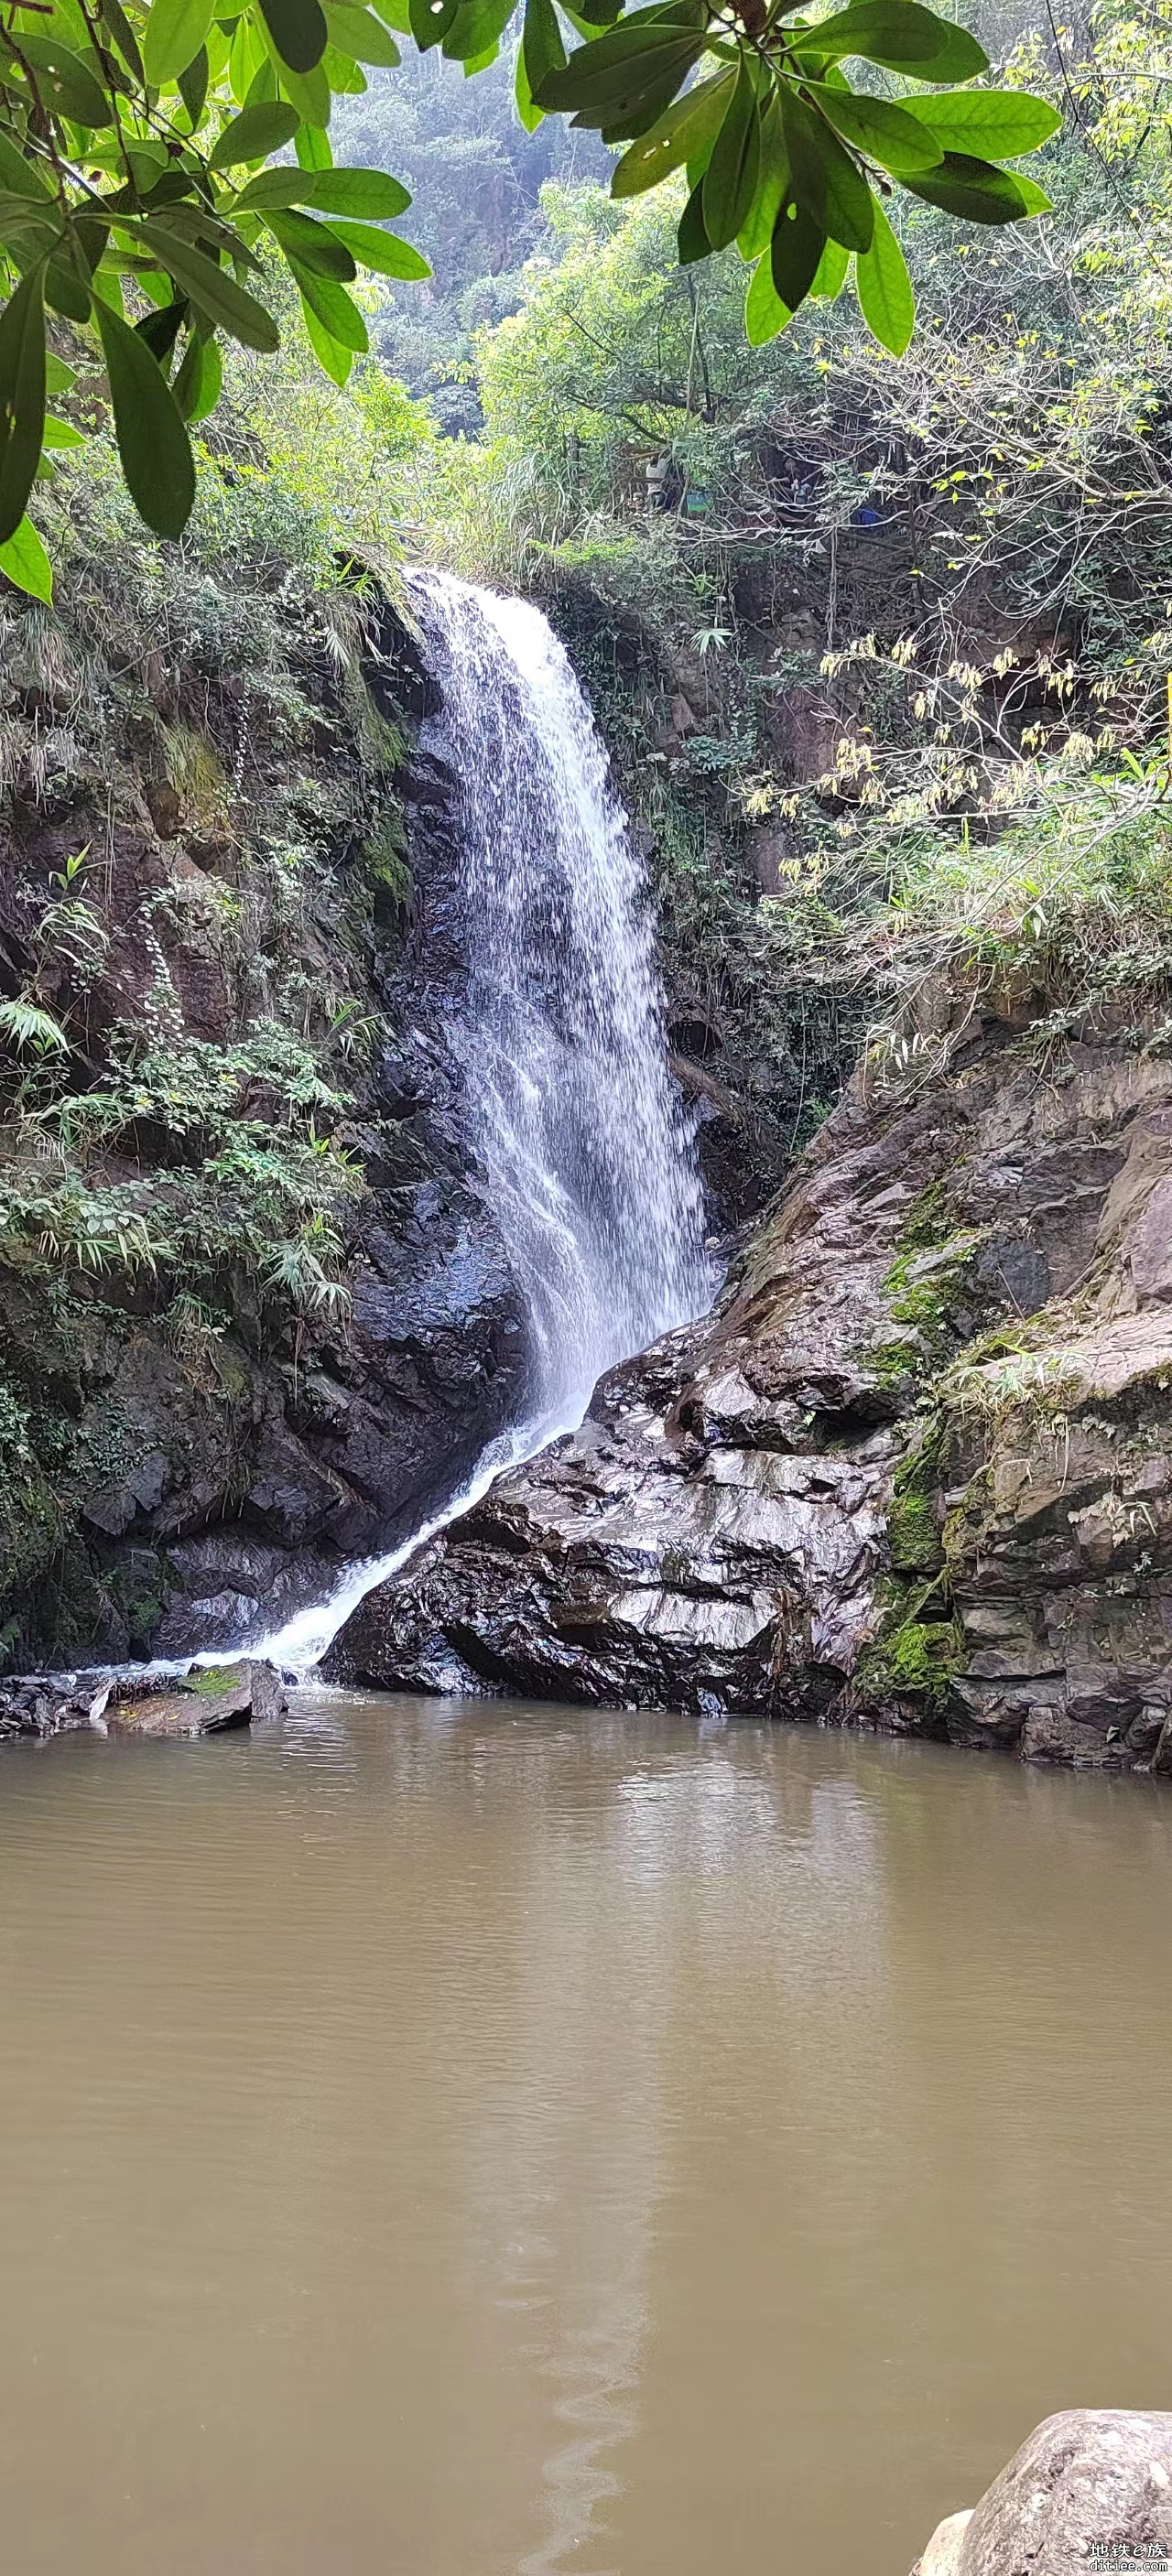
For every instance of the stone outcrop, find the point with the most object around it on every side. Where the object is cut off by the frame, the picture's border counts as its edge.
(1090, 2487)
(916, 1473)
(207, 1701)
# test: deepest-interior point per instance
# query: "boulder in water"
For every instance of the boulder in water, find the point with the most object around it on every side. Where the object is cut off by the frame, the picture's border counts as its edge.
(201, 1702)
(1091, 2487)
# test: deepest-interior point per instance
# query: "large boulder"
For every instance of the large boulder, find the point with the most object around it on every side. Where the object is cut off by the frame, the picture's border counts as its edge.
(1091, 2488)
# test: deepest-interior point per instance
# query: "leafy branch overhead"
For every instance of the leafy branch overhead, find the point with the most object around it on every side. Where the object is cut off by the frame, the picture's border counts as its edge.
(142, 199)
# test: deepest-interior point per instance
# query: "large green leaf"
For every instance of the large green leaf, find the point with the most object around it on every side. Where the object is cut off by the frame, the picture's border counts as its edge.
(336, 360)
(995, 123)
(311, 144)
(117, 25)
(795, 253)
(312, 245)
(476, 28)
(382, 251)
(216, 293)
(541, 43)
(66, 83)
(175, 30)
(298, 30)
(765, 314)
(903, 37)
(826, 181)
(193, 86)
(21, 178)
(370, 195)
(360, 34)
(730, 180)
(830, 274)
(884, 288)
(977, 191)
(252, 135)
(333, 307)
(26, 563)
(152, 439)
(692, 241)
(773, 185)
(693, 120)
(197, 385)
(530, 114)
(431, 20)
(874, 126)
(604, 77)
(22, 396)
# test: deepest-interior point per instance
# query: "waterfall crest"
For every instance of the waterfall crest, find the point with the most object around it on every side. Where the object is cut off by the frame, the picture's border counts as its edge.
(583, 1152)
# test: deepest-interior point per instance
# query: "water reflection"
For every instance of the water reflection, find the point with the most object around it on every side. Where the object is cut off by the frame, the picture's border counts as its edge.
(487, 2141)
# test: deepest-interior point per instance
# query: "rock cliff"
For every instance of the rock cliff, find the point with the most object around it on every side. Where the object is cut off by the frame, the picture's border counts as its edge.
(915, 1473)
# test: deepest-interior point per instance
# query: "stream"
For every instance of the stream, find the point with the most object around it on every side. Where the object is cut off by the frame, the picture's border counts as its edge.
(486, 2140)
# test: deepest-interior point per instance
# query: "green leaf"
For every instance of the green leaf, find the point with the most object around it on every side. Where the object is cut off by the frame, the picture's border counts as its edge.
(64, 291)
(26, 563)
(477, 25)
(175, 30)
(605, 78)
(371, 195)
(308, 92)
(873, 125)
(828, 277)
(161, 330)
(312, 245)
(382, 251)
(765, 314)
(884, 288)
(693, 120)
(22, 396)
(193, 86)
(58, 377)
(542, 50)
(360, 34)
(1036, 200)
(65, 82)
(311, 144)
(21, 178)
(994, 123)
(529, 114)
(216, 293)
(730, 180)
(117, 25)
(826, 181)
(61, 433)
(773, 186)
(253, 134)
(333, 307)
(691, 239)
(431, 20)
(298, 30)
(795, 253)
(903, 37)
(197, 385)
(152, 440)
(336, 360)
(977, 191)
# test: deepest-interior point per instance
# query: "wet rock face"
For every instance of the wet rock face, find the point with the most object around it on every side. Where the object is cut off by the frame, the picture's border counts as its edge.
(915, 1474)
(1089, 2486)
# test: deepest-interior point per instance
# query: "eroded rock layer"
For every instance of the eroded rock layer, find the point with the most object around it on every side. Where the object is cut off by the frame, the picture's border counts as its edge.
(916, 1473)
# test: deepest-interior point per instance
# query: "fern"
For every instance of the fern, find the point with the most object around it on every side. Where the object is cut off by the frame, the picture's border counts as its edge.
(28, 1029)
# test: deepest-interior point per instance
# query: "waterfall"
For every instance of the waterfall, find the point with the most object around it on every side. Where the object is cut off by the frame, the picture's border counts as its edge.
(582, 1150)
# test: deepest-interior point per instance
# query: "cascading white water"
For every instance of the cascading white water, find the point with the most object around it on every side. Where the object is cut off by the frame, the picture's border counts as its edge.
(584, 1154)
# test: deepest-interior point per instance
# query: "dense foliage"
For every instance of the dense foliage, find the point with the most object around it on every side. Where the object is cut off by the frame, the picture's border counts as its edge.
(143, 202)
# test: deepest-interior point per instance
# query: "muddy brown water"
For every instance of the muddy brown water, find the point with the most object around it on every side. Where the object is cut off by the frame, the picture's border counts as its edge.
(445, 2140)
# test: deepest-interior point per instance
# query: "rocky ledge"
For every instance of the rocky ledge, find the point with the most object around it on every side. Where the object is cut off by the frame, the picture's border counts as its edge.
(916, 1473)
(1092, 2487)
(206, 1701)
